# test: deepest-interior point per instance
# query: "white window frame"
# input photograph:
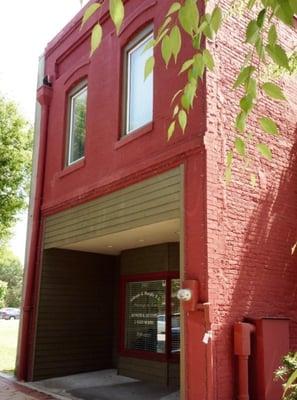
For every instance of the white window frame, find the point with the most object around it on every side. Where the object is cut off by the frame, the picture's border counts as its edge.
(144, 36)
(77, 91)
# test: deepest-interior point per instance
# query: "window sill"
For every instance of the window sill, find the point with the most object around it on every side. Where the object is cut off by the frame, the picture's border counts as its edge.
(130, 137)
(72, 168)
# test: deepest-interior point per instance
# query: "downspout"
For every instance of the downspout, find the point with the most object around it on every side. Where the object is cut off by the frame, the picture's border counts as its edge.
(242, 349)
(44, 96)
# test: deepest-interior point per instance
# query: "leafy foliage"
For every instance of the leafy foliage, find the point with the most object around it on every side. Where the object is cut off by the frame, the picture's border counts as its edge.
(184, 22)
(287, 373)
(3, 292)
(15, 164)
(11, 274)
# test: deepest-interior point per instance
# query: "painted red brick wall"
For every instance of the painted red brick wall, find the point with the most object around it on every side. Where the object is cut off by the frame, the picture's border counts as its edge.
(108, 157)
(250, 230)
(241, 237)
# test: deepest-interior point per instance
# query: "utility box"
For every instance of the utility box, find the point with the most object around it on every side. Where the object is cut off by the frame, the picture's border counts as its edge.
(269, 344)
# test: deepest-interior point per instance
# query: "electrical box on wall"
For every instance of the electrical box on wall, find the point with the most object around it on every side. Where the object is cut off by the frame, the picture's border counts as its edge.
(269, 344)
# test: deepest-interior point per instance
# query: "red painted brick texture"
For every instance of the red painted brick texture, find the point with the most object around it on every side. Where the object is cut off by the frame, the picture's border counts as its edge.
(108, 157)
(250, 230)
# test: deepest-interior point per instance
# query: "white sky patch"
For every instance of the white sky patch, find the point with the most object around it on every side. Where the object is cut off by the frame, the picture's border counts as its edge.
(26, 26)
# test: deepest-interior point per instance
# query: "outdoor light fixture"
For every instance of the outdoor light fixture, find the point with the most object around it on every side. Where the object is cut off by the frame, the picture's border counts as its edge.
(184, 294)
(189, 295)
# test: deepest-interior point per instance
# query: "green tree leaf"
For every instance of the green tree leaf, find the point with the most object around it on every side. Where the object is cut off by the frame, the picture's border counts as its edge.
(278, 55)
(3, 293)
(252, 32)
(206, 26)
(11, 273)
(175, 41)
(228, 175)
(198, 66)
(190, 92)
(208, 59)
(149, 66)
(268, 126)
(89, 12)
(229, 158)
(15, 165)
(244, 76)
(188, 16)
(260, 48)
(173, 8)
(171, 130)
(117, 12)
(164, 26)
(273, 91)
(251, 4)
(246, 103)
(240, 122)
(292, 378)
(251, 87)
(264, 150)
(186, 65)
(284, 12)
(240, 146)
(175, 111)
(216, 19)
(175, 96)
(185, 102)
(182, 119)
(96, 37)
(261, 18)
(272, 35)
(166, 49)
(293, 5)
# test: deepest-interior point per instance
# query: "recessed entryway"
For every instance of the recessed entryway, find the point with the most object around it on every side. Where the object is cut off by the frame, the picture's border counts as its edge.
(103, 385)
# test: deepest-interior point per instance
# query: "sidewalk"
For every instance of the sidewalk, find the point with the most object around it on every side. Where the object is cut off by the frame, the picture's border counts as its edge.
(10, 390)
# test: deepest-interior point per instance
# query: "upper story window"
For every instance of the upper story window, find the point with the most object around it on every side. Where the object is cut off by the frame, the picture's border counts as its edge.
(77, 123)
(138, 101)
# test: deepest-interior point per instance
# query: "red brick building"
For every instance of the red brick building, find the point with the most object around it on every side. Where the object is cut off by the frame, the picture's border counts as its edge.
(120, 216)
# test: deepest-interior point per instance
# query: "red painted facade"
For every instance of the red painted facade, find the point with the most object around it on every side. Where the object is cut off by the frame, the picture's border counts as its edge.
(237, 239)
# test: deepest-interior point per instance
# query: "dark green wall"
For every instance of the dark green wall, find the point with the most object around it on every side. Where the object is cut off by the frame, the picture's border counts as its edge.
(75, 316)
(157, 258)
(77, 326)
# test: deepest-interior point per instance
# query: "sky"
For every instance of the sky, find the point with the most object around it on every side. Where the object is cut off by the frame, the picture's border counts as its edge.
(26, 26)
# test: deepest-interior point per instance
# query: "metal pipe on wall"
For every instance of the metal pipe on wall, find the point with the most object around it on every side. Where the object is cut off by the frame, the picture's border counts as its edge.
(44, 95)
(242, 349)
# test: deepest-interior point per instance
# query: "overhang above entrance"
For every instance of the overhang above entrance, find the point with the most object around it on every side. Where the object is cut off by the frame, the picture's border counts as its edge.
(163, 232)
(139, 215)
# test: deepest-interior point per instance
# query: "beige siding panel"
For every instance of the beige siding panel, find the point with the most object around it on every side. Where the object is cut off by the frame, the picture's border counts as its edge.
(116, 216)
(119, 199)
(167, 179)
(153, 200)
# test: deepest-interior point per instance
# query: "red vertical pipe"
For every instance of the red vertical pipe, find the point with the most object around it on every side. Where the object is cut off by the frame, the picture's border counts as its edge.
(243, 378)
(242, 348)
(44, 95)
